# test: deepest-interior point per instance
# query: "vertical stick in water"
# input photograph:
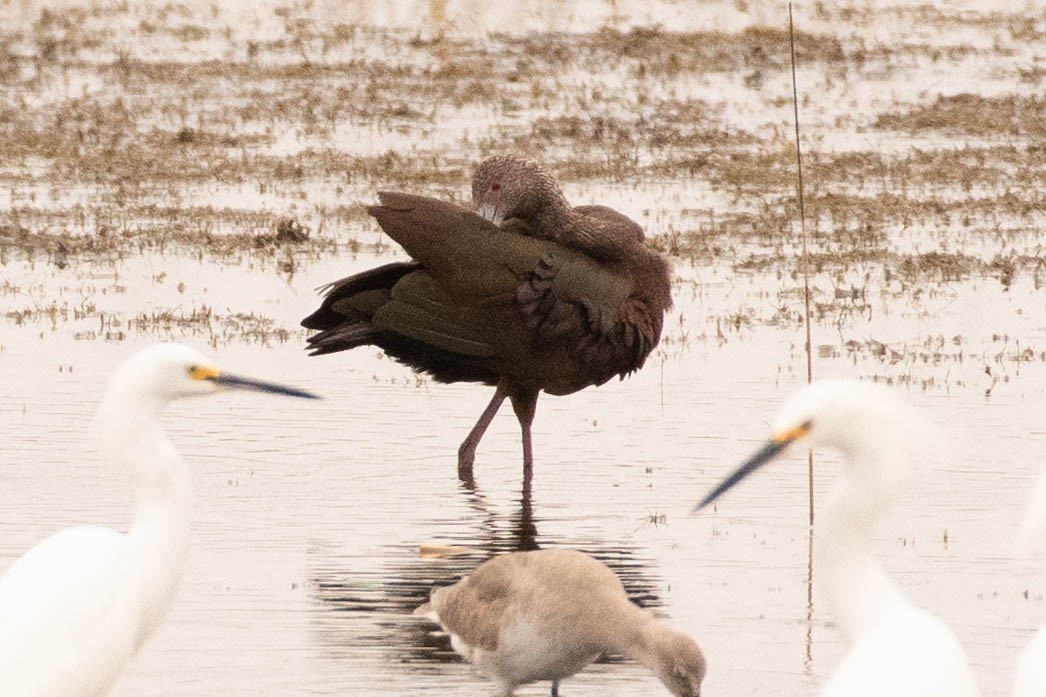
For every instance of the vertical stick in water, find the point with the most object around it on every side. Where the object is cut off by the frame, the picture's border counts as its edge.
(805, 263)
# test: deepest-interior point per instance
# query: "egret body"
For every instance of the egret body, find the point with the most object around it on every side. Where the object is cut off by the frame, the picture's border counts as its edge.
(1030, 680)
(895, 647)
(78, 605)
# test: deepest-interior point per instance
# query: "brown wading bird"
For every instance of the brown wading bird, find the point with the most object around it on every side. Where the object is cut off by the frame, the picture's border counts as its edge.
(528, 295)
(545, 615)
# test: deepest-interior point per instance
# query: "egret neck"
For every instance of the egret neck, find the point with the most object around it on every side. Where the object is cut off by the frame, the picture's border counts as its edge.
(857, 588)
(130, 437)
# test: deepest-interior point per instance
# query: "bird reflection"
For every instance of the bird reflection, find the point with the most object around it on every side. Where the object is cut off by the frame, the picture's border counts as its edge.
(376, 606)
(523, 530)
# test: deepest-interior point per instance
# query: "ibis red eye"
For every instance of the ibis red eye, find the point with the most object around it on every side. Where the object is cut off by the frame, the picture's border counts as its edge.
(495, 187)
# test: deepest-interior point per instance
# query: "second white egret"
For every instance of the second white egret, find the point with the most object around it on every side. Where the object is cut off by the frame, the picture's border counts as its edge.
(1030, 678)
(895, 647)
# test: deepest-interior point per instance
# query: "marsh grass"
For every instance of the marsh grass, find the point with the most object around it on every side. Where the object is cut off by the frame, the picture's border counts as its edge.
(266, 151)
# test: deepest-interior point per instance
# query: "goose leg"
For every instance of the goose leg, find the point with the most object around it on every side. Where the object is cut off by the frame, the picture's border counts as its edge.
(467, 450)
(524, 404)
(555, 688)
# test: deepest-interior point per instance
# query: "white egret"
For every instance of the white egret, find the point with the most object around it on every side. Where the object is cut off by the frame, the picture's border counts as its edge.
(546, 614)
(1031, 668)
(895, 648)
(1030, 680)
(78, 605)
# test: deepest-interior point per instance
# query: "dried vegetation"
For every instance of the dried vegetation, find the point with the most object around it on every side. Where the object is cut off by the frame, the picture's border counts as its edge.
(180, 137)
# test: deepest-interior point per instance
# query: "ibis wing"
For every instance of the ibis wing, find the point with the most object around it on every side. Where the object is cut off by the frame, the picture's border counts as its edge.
(342, 298)
(565, 296)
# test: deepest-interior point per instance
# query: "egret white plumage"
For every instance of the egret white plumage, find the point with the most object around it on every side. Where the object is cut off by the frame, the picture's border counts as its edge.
(78, 605)
(895, 648)
(1030, 679)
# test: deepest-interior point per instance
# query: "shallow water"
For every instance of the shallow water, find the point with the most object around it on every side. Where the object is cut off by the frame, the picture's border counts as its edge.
(305, 564)
(308, 516)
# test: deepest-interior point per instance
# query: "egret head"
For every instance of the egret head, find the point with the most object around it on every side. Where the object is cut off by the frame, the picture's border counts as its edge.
(843, 414)
(859, 418)
(1031, 537)
(173, 371)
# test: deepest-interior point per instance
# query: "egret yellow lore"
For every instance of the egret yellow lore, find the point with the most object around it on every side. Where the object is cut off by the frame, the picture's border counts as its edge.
(78, 605)
(894, 647)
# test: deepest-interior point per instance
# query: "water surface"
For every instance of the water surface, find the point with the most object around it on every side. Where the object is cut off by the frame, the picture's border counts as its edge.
(305, 565)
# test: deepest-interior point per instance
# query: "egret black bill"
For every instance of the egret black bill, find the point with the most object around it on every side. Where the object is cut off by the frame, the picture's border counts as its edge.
(778, 442)
(236, 382)
(762, 456)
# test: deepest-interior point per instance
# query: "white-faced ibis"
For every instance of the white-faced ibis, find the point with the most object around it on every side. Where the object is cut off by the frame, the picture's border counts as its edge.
(541, 297)
(895, 648)
(77, 606)
(545, 615)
